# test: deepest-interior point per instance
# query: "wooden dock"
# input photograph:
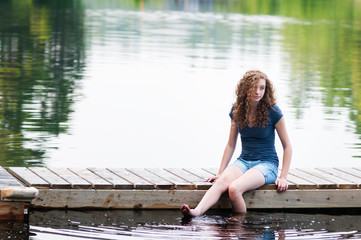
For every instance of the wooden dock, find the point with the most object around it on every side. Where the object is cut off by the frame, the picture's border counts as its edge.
(14, 197)
(169, 188)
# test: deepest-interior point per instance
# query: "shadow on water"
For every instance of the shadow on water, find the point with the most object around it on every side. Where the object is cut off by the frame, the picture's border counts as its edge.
(169, 224)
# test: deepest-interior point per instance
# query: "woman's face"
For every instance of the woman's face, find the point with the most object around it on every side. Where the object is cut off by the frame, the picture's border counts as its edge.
(259, 90)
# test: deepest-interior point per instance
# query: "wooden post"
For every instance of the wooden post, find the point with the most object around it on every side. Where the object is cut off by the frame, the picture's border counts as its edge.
(14, 203)
(13, 211)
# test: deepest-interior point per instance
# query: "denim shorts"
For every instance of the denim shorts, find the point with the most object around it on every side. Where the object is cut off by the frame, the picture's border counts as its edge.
(268, 169)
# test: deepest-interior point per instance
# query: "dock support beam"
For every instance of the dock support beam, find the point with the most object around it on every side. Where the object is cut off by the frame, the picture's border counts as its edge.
(173, 199)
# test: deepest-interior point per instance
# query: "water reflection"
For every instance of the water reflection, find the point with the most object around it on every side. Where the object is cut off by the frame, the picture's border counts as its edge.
(169, 225)
(41, 60)
(78, 78)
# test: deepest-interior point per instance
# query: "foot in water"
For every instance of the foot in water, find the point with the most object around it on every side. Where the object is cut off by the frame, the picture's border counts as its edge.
(188, 212)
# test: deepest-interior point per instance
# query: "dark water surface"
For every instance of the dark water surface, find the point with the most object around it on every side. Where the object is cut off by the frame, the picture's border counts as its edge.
(165, 224)
(133, 83)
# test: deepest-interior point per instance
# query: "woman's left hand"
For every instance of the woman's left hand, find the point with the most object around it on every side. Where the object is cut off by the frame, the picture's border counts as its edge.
(211, 179)
(282, 184)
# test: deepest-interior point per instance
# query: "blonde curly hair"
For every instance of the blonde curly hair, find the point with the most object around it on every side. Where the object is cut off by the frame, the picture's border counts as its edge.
(244, 92)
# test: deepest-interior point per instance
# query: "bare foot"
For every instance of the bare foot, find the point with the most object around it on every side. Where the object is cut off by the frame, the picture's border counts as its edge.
(188, 212)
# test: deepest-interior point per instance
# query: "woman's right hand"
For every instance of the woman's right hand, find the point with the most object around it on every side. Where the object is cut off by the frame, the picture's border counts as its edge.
(211, 179)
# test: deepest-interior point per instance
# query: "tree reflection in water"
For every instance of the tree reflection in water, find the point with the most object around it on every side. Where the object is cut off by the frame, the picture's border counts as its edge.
(41, 62)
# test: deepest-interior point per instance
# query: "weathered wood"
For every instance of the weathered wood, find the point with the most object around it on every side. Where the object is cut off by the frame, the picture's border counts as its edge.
(75, 181)
(179, 183)
(54, 180)
(353, 172)
(340, 183)
(213, 171)
(358, 169)
(320, 182)
(327, 198)
(349, 170)
(199, 172)
(197, 181)
(18, 194)
(116, 199)
(158, 182)
(138, 183)
(300, 182)
(343, 175)
(316, 188)
(173, 199)
(4, 183)
(28, 177)
(13, 211)
(115, 180)
(96, 181)
(4, 174)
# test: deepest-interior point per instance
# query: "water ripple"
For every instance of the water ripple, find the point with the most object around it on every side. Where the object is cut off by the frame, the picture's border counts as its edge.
(169, 225)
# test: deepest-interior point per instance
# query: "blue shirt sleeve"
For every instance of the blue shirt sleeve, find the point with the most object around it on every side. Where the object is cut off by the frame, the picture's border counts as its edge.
(275, 114)
(231, 113)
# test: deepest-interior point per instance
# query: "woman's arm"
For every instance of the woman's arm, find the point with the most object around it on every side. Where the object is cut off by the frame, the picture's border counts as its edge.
(287, 154)
(228, 151)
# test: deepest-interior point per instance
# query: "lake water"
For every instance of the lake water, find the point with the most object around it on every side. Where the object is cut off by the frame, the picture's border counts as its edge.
(165, 224)
(150, 84)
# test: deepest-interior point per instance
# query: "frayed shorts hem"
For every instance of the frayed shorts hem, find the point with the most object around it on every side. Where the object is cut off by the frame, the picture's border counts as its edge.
(268, 169)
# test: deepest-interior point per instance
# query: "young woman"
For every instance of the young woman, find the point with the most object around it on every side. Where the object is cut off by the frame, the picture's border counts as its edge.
(255, 116)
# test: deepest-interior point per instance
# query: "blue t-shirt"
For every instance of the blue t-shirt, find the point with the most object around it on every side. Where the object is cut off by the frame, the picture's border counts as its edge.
(258, 143)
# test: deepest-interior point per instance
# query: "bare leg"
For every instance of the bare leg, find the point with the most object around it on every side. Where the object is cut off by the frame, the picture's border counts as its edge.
(250, 180)
(214, 193)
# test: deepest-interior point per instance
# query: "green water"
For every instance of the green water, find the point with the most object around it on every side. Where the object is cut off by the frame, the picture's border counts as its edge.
(150, 83)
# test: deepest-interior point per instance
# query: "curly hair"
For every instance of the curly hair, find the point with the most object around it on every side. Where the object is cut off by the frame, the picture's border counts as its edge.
(245, 92)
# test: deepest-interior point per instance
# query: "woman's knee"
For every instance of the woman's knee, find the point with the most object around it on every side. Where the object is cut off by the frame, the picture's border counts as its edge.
(222, 183)
(234, 190)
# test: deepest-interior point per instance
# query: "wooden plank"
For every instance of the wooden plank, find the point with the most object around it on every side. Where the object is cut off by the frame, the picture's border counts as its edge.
(197, 181)
(199, 172)
(28, 177)
(300, 182)
(158, 182)
(96, 181)
(327, 198)
(138, 183)
(115, 180)
(340, 183)
(320, 182)
(343, 175)
(75, 181)
(349, 170)
(54, 180)
(358, 169)
(173, 199)
(5, 183)
(117, 199)
(7, 180)
(291, 186)
(4, 174)
(213, 171)
(179, 183)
